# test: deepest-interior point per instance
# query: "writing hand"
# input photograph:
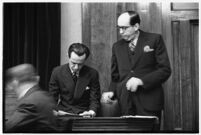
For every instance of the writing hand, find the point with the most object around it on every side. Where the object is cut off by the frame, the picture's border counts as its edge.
(88, 114)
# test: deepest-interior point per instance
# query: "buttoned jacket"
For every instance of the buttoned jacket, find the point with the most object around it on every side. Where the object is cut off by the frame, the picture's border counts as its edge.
(79, 97)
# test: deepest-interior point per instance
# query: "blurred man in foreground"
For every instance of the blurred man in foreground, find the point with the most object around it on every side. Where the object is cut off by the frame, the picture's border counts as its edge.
(34, 112)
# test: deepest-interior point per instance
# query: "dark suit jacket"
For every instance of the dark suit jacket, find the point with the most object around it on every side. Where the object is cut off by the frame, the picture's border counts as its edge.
(34, 113)
(151, 66)
(83, 96)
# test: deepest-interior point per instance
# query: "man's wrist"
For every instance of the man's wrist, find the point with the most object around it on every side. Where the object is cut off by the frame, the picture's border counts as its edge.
(141, 82)
(92, 112)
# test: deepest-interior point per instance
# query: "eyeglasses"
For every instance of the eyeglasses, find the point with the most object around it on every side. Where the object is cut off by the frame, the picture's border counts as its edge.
(123, 27)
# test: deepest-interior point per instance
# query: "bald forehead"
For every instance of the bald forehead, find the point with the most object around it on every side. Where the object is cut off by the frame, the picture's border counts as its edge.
(124, 20)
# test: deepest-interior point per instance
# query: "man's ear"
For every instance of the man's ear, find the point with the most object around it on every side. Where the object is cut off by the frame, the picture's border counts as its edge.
(37, 78)
(11, 84)
(68, 56)
(136, 26)
(15, 81)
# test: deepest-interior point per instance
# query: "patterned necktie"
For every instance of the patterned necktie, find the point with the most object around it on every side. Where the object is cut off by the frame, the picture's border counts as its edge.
(74, 77)
(132, 46)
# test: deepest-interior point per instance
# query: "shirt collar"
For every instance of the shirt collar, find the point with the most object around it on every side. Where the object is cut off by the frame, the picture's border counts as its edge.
(24, 91)
(134, 40)
(77, 73)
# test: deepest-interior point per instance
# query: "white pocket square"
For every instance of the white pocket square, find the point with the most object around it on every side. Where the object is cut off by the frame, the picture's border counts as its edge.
(87, 88)
(148, 49)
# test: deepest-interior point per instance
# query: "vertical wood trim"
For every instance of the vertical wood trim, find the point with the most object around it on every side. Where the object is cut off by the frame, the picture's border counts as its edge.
(86, 26)
(155, 17)
(145, 16)
(177, 78)
(184, 64)
(168, 86)
(86, 23)
(121, 7)
(195, 74)
(186, 77)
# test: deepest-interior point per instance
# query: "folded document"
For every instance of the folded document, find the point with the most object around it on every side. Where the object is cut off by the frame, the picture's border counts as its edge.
(62, 113)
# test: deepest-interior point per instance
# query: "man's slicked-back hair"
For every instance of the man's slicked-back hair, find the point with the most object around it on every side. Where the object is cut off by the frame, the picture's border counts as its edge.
(79, 49)
(134, 17)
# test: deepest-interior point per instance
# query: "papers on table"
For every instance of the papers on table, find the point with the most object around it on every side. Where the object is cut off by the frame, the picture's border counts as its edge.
(138, 116)
(63, 113)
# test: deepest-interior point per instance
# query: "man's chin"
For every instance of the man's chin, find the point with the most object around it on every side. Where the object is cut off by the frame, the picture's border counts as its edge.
(125, 38)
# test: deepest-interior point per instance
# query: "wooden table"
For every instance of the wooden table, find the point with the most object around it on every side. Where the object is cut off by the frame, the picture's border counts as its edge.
(114, 124)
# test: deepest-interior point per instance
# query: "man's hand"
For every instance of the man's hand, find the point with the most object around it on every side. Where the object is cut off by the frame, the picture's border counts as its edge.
(133, 83)
(55, 112)
(87, 114)
(107, 97)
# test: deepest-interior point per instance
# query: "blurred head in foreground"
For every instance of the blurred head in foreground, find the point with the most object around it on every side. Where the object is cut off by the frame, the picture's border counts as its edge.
(20, 78)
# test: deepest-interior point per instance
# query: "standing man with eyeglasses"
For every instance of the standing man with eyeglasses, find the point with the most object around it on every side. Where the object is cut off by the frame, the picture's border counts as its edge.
(140, 65)
(75, 86)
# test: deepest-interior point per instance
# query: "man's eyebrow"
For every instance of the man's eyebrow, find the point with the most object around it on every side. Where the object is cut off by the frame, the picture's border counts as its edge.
(76, 63)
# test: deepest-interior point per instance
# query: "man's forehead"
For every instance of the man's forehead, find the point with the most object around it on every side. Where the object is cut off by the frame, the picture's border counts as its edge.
(77, 59)
(124, 20)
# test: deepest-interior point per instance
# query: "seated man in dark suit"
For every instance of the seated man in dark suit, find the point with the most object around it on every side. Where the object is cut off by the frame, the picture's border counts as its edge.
(34, 112)
(75, 86)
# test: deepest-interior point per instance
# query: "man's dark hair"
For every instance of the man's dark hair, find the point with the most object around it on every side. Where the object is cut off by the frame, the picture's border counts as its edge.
(23, 73)
(79, 49)
(134, 17)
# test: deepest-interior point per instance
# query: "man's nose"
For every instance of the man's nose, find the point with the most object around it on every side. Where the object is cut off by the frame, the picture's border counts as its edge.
(76, 66)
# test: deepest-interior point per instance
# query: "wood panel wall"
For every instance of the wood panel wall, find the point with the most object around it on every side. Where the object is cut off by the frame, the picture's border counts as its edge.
(185, 75)
(99, 33)
(181, 39)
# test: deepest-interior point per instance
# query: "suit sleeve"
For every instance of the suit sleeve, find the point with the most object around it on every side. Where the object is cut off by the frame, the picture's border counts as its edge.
(24, 115)
(53, 86)
(114, 72)
(95, 93)
(163, 69)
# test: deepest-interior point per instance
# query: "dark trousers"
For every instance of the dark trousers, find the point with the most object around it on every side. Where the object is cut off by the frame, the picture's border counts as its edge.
(64, 124)
(130, 105)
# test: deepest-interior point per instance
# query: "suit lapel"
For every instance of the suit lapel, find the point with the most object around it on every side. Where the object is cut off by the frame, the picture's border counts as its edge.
(82, 82)
(124, 53)
(67, 77)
